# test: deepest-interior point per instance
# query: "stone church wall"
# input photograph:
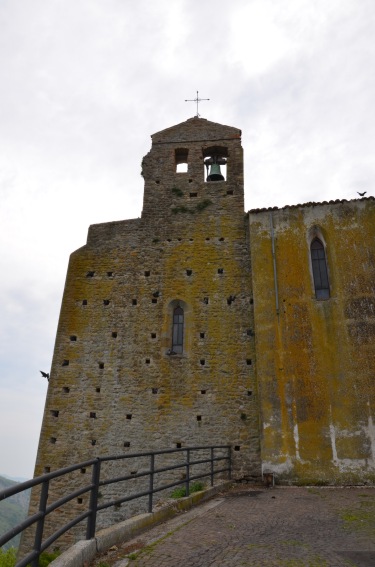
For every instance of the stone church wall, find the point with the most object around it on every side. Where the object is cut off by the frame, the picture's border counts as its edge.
(316, 358)
(115, 387)
(283, 376)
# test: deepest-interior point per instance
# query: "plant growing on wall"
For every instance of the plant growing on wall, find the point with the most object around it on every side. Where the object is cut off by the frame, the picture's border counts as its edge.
(198, 208)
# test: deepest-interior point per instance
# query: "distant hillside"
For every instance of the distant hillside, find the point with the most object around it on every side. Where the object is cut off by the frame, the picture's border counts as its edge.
(15, 478)
(12, 510)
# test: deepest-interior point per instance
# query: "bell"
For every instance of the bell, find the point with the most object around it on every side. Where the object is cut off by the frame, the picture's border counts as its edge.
(215, 172)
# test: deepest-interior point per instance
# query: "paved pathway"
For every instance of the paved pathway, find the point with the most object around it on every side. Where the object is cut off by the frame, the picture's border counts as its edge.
(276, 527)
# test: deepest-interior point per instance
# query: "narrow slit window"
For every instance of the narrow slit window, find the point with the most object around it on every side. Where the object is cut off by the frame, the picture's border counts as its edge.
(319, 269)
(178, 330)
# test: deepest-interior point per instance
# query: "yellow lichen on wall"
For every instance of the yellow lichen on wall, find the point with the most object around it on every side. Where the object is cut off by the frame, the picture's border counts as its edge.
(315, 358)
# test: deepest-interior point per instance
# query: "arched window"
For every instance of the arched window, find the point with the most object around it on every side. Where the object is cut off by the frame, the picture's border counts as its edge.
(178, 330)
(319, 269)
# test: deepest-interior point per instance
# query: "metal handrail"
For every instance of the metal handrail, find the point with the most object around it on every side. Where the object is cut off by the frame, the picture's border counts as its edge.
(92, 488)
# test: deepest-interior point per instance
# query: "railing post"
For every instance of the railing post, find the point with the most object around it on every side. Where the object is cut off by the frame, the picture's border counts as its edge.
(152, 469)
(230, 461)
(212, 466)
(91, 519)
(40, 524)
(187, 472)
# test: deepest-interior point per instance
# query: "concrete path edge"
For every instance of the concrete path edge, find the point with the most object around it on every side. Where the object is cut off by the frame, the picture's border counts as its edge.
(83, 552)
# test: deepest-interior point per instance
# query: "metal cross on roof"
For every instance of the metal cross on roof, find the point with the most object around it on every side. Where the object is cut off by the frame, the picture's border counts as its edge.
(197, 100)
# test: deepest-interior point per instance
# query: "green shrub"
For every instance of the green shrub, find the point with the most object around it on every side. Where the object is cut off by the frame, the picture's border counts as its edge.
(46, 558)
(8, 557)
(180, 491)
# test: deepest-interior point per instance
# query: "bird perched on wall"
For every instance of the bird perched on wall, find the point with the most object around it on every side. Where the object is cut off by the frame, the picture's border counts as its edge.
(44, 374)
(362, 194)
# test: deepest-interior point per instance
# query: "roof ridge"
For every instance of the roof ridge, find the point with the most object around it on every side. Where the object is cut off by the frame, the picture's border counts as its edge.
(311, 204)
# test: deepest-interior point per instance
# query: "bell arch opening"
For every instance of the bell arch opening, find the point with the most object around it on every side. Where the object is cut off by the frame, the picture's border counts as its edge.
(215, 163)
(181, 160)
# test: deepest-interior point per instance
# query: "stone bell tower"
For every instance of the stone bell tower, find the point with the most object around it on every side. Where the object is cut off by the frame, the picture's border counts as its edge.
(184, 170)
(155, 342)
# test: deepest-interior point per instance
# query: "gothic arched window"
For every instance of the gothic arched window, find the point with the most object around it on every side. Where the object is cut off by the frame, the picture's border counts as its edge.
(319, 269)
(178, 330)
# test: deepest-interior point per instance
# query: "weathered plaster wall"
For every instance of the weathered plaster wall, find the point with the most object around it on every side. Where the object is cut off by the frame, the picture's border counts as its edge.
(113, 387)
(316, 359)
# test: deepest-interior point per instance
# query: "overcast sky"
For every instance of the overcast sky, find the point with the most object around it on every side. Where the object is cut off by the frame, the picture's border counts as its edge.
(84, 83)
